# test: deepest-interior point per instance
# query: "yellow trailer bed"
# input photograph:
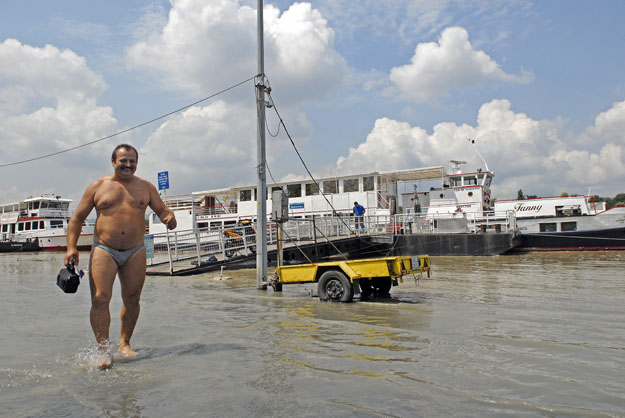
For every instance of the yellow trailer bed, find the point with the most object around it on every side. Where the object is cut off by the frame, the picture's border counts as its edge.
(341, 280)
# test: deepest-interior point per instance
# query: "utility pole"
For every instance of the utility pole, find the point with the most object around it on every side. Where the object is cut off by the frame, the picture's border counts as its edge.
(261, 190)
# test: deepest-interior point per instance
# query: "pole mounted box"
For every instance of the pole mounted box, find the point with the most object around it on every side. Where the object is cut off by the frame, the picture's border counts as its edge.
(279, 206)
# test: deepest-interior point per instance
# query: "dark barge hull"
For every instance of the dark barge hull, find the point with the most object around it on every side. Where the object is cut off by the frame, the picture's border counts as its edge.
(592, 240)
(18, 246)
(455, 244)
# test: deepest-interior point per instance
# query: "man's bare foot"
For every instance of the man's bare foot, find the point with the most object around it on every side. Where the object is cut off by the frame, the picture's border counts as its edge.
(104, 360)
(126, 351)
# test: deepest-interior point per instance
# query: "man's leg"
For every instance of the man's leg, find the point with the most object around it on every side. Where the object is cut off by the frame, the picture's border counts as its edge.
(131, 279)
(102, 271)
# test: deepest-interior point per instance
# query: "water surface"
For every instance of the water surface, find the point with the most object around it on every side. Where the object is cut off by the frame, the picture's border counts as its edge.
(523, 335)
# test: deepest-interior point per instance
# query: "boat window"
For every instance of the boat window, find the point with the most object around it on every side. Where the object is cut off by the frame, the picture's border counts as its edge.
(256, 196)
(487, 181)
(350, 185)
(331, 186)
(312, 189)
(276, 189)
(245, 195)
(294, 190)
(20, 226)
(35, 224)
(56, 224)
(368, 183)
(5, 228)
(548, 227)
(42, 225)
(470, 180)
(568, 226)
(27, 226)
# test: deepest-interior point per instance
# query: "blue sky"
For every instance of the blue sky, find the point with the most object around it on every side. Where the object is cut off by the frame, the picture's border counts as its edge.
(362, 86)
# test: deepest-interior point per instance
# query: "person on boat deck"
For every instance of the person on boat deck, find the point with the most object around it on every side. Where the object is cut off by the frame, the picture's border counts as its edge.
(120, 200)
(359, 212)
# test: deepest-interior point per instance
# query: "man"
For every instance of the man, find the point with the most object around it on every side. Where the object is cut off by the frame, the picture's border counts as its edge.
(359, 212)
(120, 200)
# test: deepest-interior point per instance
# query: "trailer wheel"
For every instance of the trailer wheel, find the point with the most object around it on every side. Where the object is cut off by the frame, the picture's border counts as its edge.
(334, 286)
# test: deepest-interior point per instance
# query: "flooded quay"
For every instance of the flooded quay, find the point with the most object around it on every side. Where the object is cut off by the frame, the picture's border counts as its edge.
(539, 334)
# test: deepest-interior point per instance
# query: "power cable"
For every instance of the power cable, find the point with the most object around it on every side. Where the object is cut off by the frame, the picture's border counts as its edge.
(334, 212)
(128, 129)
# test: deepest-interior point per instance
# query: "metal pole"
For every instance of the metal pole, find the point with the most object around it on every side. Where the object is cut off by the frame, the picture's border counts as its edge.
(261, 190)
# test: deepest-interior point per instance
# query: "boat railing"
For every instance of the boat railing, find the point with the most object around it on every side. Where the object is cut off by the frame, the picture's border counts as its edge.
(216, 210)
(456, 222)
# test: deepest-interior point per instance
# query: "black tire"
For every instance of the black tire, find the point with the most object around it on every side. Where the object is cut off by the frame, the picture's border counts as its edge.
(334, 286)
(229, 253)
(252, 248)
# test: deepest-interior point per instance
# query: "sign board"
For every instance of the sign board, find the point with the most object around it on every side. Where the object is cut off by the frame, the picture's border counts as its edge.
(296, 206)
(279, 206)
(148, 240)
(163, 180)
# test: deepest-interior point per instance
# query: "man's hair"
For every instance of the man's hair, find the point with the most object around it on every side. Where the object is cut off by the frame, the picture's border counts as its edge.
(355, 203)
(128, 147)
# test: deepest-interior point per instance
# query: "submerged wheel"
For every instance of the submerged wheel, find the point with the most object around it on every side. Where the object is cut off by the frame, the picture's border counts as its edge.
(334, 286)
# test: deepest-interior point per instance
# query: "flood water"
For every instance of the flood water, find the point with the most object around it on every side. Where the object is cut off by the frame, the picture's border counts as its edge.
(524, 335)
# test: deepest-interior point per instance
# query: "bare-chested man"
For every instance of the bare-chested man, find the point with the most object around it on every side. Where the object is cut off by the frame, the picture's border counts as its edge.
(120, 200)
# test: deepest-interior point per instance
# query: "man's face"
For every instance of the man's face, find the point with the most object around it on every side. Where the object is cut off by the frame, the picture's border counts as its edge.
(125, 163)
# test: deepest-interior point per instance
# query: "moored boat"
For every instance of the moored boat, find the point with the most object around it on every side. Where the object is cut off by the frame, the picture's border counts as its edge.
(41, 220)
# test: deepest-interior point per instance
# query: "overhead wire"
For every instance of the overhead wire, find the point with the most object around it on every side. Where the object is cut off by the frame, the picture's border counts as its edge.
(286, 131)
(128, 129)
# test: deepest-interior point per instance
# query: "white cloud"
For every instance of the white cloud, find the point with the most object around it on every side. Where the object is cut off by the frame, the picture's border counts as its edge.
(525, 153)
(207, 147)
(50, 73)
(207, 46)
(47, 104)
(438, 68)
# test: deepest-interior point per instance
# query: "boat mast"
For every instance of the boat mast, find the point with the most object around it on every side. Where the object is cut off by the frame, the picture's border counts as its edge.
(261, 190)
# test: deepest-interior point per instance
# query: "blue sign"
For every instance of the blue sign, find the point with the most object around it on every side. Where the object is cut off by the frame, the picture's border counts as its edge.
(163, 180)
(296, 206)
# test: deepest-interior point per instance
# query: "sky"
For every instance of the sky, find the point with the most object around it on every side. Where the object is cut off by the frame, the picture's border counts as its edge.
(362, 86)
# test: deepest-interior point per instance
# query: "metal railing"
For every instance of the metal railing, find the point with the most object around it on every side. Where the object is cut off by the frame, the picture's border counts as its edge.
(198, 245)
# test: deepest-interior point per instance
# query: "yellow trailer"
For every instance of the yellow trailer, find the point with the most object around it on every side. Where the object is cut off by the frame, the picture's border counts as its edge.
(340, 281)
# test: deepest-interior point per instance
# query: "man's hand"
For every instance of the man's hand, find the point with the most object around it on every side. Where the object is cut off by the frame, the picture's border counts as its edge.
(170, 220)
(71, 257)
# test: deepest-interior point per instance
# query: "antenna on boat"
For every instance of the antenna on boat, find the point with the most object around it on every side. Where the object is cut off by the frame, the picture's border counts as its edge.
(455, 164)
(261, 190)
(472, 141)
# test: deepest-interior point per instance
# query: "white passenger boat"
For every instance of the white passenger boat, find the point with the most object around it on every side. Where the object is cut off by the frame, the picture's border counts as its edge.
(463, 204)
(42, 220)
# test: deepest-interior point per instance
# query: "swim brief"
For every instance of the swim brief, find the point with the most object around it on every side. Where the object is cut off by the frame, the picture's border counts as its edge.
(119, 256)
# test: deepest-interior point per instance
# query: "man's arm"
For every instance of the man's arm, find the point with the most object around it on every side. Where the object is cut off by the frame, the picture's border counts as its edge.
(163, 212)
(74, 225)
